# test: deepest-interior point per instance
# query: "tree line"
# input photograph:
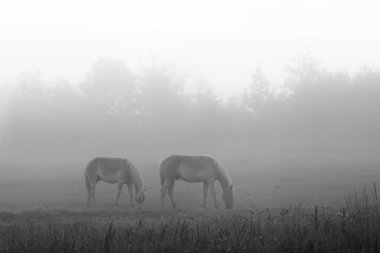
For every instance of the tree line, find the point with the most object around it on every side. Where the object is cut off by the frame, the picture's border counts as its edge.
(118, 108)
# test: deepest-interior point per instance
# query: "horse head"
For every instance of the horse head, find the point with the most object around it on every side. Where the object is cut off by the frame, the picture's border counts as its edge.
(140, 196)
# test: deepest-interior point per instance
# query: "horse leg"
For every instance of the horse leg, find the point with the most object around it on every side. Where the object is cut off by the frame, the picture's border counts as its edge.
(205, 190)
(170, 192)
(164, 189)
(92, 192)
(213, 194)
(119, 187)
(88, 187)
(130, 192)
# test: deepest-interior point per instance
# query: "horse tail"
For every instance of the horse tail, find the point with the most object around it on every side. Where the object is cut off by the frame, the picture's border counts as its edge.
(87, 176)
(87, 181)
(161, 169)
(167, 168)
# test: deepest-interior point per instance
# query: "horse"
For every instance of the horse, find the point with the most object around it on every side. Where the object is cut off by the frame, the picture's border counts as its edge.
(193, 169)
(114, 170)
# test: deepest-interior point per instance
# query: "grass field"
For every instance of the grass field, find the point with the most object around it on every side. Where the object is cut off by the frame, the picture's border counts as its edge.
(280, 206)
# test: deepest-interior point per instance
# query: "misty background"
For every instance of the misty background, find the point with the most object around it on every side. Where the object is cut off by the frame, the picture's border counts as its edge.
(148, 114)
(285, 94)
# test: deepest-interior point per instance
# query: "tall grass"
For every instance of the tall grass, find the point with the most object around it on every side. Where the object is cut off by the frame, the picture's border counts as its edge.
(354, 228)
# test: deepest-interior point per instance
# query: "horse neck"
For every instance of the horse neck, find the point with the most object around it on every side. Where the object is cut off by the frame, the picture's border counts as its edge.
(224, 179)
(136, 179)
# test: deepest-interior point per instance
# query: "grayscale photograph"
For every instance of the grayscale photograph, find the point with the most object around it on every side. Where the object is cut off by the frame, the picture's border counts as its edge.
(189, 126)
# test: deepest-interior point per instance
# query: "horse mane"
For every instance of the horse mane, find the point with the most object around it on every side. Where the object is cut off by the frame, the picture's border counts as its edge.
(224, 177)
(135, 175)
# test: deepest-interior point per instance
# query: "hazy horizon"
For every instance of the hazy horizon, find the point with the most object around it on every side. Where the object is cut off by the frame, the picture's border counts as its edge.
(153, 78)
(221, 41)
(282, 96)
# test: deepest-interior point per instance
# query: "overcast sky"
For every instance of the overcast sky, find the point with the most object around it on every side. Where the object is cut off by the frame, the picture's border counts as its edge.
(223, 40)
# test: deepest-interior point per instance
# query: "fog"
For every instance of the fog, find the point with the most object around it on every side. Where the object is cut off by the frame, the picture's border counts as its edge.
(285, 88)
(62, 39)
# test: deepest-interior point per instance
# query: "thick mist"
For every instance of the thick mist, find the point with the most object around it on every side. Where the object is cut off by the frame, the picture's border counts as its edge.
(313, 140)
(189, 126)
(148, 79)
(147, 114)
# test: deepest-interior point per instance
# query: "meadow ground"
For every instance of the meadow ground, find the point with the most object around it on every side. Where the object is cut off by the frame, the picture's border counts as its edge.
(263, 182)
(286, 205)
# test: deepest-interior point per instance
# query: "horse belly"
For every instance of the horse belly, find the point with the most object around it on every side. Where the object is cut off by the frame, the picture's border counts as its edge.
(192, 176)
(112, 179)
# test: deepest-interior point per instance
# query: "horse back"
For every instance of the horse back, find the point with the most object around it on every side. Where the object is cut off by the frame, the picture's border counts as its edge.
(189, 168)
(110, 170)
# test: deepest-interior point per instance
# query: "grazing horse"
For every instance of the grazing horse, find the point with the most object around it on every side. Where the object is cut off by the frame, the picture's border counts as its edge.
(195, 169)
(114, 170)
